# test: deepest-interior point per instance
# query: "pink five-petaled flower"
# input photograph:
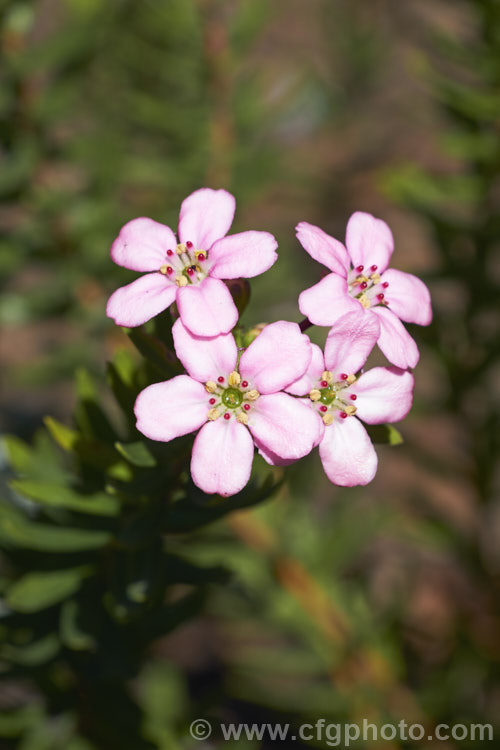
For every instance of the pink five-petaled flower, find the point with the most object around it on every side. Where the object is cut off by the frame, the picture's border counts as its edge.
(236, 404)
(339, 396)
(360, 282)
(190, 271)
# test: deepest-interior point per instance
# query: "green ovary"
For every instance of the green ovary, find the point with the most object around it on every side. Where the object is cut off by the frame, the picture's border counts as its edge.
(328, 395)
(232, 398)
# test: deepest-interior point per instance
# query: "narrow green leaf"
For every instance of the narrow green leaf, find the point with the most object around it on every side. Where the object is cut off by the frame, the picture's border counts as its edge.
(36, 591)
(57, 496)
(72, 635)
(138, 454)
(384, 433)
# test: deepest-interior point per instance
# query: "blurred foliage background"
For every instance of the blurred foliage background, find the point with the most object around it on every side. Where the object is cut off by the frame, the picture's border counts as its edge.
(379, 602)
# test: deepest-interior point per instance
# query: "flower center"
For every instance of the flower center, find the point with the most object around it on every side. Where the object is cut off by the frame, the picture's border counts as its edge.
(334, 398)
(366, 286)
(186, 264)
(230, 396)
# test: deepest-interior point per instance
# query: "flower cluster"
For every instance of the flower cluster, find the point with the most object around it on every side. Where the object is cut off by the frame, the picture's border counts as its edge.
(282, 395)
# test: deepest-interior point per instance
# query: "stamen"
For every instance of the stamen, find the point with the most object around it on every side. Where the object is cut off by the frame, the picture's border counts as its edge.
(213, 414)
(315, 395)
(246, 407)
(327, 375)
(353, 397)
(252, 395)
(380, 296)
(328, 419)
(343, 376)
(170, 253)
(343, 414)
(234, 378)
(373, 268)
(242, 418)
(181, 248)
(375, 277)
(363, 285)
(220, 379)
(201, 257)
(227, 416)
(244, 383)
(350, 410)
(385, 284)
(212, 401)
(210, 386)
(365, 302)
(323, 408)
(190, 271)
(324, 384)
(189, 245)
(163, 270)
(181, 281)
(350, 379)
(360, 269)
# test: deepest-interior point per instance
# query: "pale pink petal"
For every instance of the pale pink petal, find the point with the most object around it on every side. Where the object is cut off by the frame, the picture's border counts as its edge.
(323, 248)
(408, 297)
(284, 425)
(207, 309)
(384, 394)
(395, 341)
(222, 457)
(242, 255)
(350, 341)
(204, 358)
(310, 379)
(142, 245)
(206, 215)
(369, 241)
(134, 304)
(167, 410)
(327, 300)
(271, 458)
(277, 357)
(347, 454)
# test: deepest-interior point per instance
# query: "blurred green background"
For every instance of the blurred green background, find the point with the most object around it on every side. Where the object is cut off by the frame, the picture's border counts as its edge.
(378, 602)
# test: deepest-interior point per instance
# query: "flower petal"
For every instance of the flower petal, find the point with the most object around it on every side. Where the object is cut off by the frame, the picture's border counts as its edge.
(350, 341)
(347, 453)
(310, 378)
(170, 409)
(134, 304)
(323, 248)
(242, 255)
(222, 457)
(277, 357)
(206, 215)
(204, 358)
(395, 341)
(408, 297)
(284, 425)
(142, 245)
(207, 309)
(369, 241)
(384, 394)
(327, 300)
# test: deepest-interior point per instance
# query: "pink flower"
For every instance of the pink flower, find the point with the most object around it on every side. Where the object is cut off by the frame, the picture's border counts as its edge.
(360, 282)
(339, 397)
(236, 404)
(188, 272)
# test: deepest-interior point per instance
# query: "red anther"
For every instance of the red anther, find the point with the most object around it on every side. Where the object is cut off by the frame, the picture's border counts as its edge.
(360, 269)
(363, 285)
(170, 270)
(323, 408)
(344, 376)
(189, 245)
(227, 415)
(385, 284)
(201, 257)
(324, 384)
(373, 268)
(246, 407)
(244, 383)
(190, 271)
(170, 252)
(220, 379)
(380, 296)
(343, 414)
(353, 397)
(212, 401)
